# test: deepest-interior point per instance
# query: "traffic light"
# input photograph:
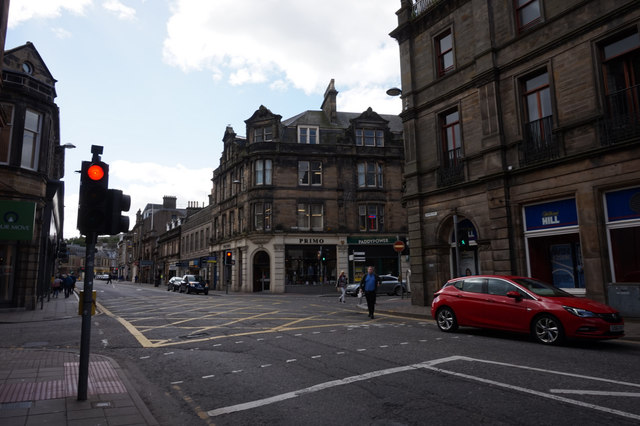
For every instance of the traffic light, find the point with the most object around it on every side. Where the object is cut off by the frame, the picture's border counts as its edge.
(463, 244)
(117, 202)
(228, 258)
(92, 206)
(62, 254)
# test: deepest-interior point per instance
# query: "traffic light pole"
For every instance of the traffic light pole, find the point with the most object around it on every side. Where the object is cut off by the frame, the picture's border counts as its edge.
(87, 304)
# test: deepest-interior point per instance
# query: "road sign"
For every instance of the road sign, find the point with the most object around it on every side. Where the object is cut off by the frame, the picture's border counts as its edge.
(398, 246)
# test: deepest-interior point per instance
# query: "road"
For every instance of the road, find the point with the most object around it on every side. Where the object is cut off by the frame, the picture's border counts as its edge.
(241, 359)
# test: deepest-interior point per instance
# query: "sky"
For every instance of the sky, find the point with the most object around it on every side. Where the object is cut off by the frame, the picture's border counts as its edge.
(156, 82)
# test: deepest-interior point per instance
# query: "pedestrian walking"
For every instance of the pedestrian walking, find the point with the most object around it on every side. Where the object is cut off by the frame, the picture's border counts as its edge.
(341, 285)
(109, 279)
(57, 284)
(67, 284)
(369, 284)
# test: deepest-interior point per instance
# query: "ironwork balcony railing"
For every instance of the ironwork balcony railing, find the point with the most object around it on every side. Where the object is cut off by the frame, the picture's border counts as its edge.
(622, 118)
(539, 142)
(422, 6)
(452, 168)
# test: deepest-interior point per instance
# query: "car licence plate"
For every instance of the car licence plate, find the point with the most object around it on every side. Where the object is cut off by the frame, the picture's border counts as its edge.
(616, 328)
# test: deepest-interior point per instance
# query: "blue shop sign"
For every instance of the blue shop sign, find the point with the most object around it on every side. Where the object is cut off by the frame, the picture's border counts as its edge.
(623, 204)
(557, 214)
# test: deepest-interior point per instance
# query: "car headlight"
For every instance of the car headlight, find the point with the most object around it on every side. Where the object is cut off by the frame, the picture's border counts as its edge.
(582, 313)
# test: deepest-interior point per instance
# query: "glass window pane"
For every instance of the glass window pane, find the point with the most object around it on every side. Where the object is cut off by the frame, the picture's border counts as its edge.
(303, 172)
(361, 175)
(312, 136)
(621, 46)
(267, 174)
(529, 13)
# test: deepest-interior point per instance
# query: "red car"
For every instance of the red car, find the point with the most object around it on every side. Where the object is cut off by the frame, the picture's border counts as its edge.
(523, 305)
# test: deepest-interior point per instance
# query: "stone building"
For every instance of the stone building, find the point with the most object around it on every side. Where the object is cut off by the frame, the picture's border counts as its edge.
(297, 201)
(521, 125)
(31, 169)
(141, 248)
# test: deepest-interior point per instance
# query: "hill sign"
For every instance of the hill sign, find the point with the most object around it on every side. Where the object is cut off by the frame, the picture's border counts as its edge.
(398, 246)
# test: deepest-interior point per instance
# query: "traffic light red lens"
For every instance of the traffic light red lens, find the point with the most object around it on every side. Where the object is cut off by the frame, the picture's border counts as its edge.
(95, 172)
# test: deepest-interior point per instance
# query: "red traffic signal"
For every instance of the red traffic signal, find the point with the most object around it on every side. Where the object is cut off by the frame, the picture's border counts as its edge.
(92, 206)
(95, 172)
(228, 258)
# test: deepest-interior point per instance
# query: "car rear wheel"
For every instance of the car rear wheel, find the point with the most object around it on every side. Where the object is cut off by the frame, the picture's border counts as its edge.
(446, 319)
(548, 330)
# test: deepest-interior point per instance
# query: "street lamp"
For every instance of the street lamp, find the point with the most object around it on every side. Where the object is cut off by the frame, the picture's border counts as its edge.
(394, 91)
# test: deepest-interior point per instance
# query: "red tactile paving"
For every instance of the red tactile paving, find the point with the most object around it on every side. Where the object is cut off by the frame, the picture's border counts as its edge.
(103, 379)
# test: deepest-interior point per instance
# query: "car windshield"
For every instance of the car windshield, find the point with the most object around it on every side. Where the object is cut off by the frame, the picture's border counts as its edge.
(541, 288)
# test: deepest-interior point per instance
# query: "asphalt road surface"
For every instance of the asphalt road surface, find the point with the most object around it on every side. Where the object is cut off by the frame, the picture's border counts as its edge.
(253, 359)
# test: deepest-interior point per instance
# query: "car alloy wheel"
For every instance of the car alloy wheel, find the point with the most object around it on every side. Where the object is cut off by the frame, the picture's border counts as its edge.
(446, 319)
(548, 330)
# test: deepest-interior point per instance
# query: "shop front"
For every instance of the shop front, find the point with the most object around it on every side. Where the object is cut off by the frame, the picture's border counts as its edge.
(310, 261)
(373, 251)
(553, 244)
(622, 209)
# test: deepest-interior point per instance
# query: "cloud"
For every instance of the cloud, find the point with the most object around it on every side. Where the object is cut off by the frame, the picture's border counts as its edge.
(123, 12)
(61, 33)
(148, 183)
(286, 42)
(20, 11)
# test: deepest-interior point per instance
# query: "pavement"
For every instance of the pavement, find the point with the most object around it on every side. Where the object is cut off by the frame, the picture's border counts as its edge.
(39, 386)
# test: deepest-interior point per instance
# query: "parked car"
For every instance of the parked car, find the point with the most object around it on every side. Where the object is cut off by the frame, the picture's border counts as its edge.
(523, 305)
(388, 285)
(102, 277)
(174, 284)
(193, 284)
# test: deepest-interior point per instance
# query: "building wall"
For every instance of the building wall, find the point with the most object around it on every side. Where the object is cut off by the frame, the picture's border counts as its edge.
(498, 180)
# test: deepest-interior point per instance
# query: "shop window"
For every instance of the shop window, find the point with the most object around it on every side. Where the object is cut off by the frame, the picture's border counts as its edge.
(444, 52)
(623, 226)
(371, 217)
(528, 13)
(369, 137)
(310, 217)
(370, 174)
(308, 135)
(310, 173)
(5, 133)
(31, 140)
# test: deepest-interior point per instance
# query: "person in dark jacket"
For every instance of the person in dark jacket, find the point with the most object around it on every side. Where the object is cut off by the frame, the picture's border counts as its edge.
(370, 283)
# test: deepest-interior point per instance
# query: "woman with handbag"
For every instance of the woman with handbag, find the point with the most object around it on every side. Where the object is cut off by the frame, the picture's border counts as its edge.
(341, 285)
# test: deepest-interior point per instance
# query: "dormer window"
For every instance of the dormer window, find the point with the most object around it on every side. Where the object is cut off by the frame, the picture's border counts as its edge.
(263, 134)
(369, 137)
(308, 135)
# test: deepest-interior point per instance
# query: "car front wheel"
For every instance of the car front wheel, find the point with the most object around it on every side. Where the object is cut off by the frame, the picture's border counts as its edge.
(547, 329)
(446, 319)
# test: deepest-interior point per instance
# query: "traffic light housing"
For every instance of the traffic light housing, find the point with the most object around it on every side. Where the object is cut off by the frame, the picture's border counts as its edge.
(92, 206)
(463, 244)
(228, 258)
(117, 202)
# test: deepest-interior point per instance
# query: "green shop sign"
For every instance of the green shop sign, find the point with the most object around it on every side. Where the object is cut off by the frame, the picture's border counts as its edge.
(370, 240)
(16, 220)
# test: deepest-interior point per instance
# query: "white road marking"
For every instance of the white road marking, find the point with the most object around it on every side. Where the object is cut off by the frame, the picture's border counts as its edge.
(265, 365)
(168, 353)
(292, 360)
(177, 383)
(592, 392)
(145, 357)
(431, 365)
(209, 376)
(316, 356)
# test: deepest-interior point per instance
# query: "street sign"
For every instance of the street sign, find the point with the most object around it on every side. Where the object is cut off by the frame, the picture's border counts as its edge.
(398, 246)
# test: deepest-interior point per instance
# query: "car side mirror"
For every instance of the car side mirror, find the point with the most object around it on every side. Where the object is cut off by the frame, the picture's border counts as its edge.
(514, 295)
